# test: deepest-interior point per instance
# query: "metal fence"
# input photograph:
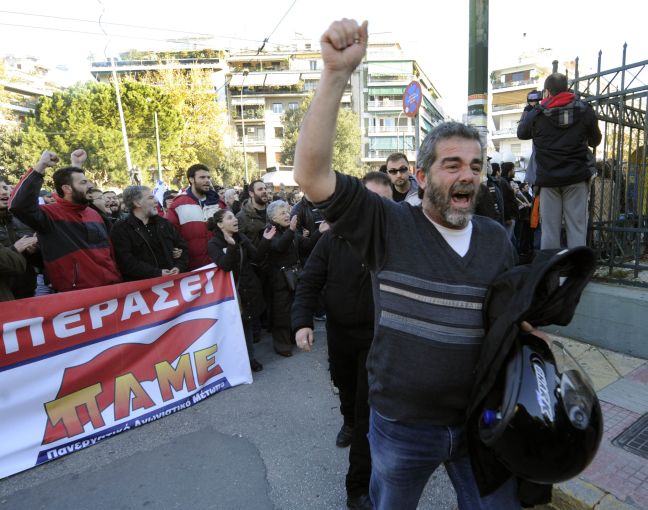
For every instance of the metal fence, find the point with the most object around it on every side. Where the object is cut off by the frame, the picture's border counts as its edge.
(619, 194)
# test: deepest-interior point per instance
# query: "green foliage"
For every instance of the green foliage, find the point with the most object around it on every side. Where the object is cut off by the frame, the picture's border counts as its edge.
(346, 146)
(190, 123)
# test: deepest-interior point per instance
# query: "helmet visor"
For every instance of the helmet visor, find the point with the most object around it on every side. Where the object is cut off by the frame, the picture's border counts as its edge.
(576, 389)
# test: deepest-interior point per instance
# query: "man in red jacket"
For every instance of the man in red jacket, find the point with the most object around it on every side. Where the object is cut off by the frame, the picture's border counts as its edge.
(74, 242)
(190, 211)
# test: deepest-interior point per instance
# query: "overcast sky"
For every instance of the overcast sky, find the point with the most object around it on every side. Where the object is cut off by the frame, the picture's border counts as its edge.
(433, 32)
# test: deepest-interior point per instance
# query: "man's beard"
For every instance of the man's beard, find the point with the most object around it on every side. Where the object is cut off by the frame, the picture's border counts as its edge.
(78, 197)
(443, 202)
(259, 200)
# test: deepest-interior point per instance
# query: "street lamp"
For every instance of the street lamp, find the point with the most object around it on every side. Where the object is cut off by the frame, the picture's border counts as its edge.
(245, 73)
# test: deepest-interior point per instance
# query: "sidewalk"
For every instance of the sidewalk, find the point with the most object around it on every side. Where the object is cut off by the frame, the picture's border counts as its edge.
(616, 478)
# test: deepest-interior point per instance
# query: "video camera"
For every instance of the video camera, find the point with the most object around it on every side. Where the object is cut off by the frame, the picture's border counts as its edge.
(534, 96)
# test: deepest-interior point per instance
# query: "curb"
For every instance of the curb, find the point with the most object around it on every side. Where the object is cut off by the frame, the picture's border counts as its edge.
(578, 494)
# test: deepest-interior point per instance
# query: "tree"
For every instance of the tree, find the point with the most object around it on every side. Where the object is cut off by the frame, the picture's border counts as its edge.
(346, 146)
(203, 120)
(190, 120)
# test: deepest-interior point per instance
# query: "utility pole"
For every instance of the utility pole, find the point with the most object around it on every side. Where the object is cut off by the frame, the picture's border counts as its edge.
(247, 179)
(478, 68)
(157, 145)
(123, 123)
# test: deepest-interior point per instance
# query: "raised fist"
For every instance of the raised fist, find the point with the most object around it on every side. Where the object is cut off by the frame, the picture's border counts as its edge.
(78, 157)
(46, 160)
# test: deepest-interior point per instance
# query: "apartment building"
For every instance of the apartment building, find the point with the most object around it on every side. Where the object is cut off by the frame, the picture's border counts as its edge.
(385, 128)
(24, 81)
(257, 89)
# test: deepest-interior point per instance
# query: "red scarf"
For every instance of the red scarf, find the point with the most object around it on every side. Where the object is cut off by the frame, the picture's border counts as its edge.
(560, 99)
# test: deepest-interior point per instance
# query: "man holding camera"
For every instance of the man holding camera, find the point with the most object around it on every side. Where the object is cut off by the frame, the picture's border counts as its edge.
(561, 127)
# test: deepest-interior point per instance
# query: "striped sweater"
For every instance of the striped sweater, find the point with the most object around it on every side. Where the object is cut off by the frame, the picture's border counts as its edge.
(428, 302)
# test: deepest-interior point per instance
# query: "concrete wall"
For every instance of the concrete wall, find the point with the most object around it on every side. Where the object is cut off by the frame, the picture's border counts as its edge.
(612, 317)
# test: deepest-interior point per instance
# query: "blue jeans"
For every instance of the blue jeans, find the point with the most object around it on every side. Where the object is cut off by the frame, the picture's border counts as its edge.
(404, 456)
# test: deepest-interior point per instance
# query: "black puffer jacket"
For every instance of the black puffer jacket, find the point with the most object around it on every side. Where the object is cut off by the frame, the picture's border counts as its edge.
(348, 296)
(136, 258)
(237, 258)
(562, 128)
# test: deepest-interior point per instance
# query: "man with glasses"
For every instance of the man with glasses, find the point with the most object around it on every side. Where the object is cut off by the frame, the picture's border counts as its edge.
(403, 182)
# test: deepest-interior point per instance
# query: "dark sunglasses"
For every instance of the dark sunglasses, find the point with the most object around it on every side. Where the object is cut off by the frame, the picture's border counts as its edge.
(402, 170)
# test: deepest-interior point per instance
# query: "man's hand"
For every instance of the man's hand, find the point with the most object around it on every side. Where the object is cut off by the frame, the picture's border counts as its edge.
(46, 160)
(27, 244)
(78, 157)
(343, 45)
(176, 253)
(324, 226)
(528, 328)
(304, 339)
(168, 272)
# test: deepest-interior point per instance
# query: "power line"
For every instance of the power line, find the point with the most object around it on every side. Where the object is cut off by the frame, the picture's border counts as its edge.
(276, 27)
(105, 23)
(56, 29)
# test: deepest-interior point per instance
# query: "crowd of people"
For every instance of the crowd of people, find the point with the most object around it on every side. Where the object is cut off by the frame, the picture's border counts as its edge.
(396, 263)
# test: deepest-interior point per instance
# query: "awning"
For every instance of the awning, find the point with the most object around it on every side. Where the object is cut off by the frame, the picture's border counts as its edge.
(280, 177)
(386, 91)
(286, 79)
(248, 101)
(251, 80)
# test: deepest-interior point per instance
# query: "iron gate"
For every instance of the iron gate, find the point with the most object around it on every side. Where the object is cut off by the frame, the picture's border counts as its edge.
(618, 207)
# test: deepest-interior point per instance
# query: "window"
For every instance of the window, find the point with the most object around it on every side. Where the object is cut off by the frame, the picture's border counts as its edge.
(310, 85)
(313, 65)
(277, 108)
(293, 106)
(519, 76)
(278, 132)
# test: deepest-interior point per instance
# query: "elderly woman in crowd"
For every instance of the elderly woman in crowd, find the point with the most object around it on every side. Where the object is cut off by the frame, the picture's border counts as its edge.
(232, 251)
(283, 262)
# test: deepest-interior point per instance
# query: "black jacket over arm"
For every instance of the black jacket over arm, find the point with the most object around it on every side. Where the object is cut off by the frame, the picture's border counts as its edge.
(136, 258)
(348, 296)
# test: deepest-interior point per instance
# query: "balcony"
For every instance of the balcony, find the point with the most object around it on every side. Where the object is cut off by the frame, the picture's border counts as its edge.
(517, 83)
(388, 104)
(377, 130)
(249, 113)
(296, 89)
(508, 107)
(510, 132)
(382, 154)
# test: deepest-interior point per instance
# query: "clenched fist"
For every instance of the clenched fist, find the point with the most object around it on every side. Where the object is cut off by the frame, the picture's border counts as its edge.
(46, 160)
(78, 157)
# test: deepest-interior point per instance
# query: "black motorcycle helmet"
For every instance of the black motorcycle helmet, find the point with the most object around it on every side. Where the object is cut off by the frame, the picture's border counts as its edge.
(543, 425)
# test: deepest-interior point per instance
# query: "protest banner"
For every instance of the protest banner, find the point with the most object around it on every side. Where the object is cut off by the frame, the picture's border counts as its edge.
(79, 367)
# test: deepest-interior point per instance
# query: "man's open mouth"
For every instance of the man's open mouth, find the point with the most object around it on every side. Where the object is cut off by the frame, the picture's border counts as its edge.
(461, 198)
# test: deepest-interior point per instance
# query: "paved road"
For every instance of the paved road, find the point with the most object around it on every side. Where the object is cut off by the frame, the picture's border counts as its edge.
(268, 445)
